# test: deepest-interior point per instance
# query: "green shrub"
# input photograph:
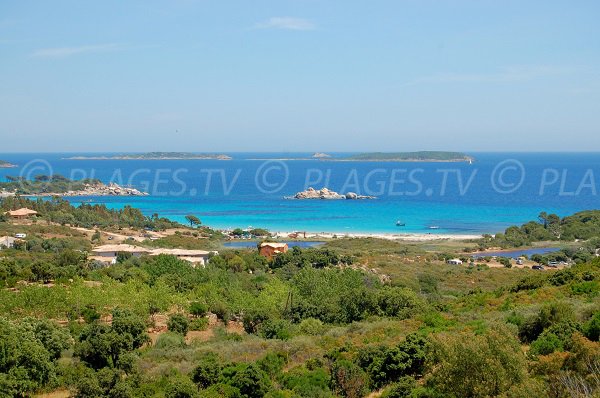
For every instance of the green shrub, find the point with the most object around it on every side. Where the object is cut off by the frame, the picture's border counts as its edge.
(170, 340)
(591, 329)
(401, 389)
(546, 344)
(208, 371)
(311, 327)
(197, 324)
(347, 379)
(178, 323)
(275, 329)
(198, 309)
(180, 387)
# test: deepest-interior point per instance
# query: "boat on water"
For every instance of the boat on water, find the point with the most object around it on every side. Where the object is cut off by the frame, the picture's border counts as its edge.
(433, 227)
(400, 223)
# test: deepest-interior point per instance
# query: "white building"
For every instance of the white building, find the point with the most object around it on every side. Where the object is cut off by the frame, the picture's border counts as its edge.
(7, 242)
(109, 253)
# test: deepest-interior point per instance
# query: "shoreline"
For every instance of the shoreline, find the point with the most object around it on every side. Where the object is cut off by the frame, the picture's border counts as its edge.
(406, 237)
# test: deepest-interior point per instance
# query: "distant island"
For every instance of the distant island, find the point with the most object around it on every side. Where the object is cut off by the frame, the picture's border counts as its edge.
(57, 185)
(421, 156)
(321, 155)
(5, 165)
(157, 156)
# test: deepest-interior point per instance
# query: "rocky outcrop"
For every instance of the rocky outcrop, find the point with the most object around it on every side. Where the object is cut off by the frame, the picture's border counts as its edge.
(321, 155)
(327, 194)
(5, 165)
(111, 189)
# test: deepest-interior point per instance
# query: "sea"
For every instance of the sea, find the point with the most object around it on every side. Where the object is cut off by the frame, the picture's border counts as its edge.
(487, 195)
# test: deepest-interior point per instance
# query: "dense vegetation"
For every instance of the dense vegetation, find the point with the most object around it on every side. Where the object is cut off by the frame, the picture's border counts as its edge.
(60, 211)
(354, 318)
(422, 156)
(582, 228)
(45, 184)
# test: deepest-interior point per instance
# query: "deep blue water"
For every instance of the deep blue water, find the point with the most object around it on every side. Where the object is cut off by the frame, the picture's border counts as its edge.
(461, 198)
(252, 244)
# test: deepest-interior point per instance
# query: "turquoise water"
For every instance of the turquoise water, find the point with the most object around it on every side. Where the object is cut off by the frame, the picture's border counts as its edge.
(459, 198)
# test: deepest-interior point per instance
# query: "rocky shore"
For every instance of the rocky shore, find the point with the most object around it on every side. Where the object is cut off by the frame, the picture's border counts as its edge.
(327, 194)
(111, 189)
(6, 165)
(100, 189)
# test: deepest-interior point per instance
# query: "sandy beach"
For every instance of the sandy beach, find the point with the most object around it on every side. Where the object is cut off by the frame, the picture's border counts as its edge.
(409, 237)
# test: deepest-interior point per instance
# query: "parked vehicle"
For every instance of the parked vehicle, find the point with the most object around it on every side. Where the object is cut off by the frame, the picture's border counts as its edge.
(538, 267)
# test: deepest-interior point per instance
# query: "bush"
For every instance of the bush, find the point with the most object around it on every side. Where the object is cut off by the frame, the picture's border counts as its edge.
(199, 324)
(178, 323)
(198, 309)
(477, 366)
(208, 371)
(250, 380)
(275, 329)
(400, 389)
(170, 340)
(591, 329)
(180, 387)
(546, 344)
(311, 327)
(347, 379)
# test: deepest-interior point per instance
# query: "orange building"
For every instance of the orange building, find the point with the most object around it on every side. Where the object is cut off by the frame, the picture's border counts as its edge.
(21, 214)
(270, 249)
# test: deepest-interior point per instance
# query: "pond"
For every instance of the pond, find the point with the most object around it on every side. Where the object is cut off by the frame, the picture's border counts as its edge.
(248, 244)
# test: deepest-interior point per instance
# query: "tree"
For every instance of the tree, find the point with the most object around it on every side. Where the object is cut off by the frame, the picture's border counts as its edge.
(250, 380)
(208, 371)
(178, 323)
(477, 366)
(180, 387)
(126, 322)
(193, 220)
(348, 380)
(592, 328)
(100, 346)
(25, 364)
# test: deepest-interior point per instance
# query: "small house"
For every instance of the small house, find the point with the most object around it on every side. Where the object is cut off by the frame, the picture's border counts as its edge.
(270, 249)
(7, 242)
(21, 214)
(196, 257)
(109, 253)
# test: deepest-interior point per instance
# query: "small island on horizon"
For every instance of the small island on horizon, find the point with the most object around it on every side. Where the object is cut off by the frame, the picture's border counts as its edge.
(419, 156)
(157, 156)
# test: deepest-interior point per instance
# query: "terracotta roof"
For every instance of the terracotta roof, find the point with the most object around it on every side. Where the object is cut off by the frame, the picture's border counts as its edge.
(22, 212)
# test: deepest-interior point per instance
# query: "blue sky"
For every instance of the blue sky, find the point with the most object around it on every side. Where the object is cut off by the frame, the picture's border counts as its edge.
(299, 75)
